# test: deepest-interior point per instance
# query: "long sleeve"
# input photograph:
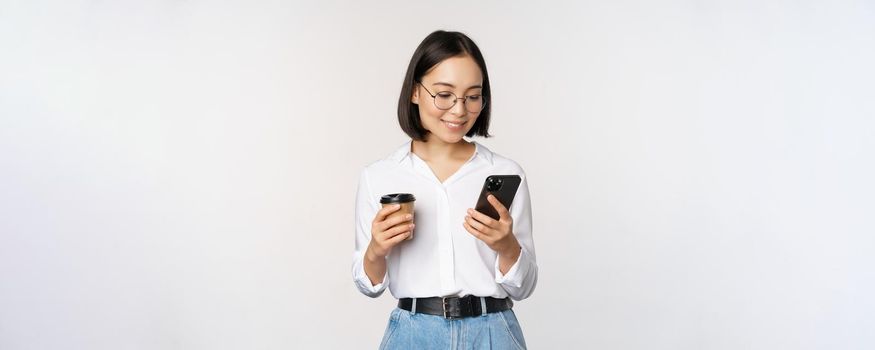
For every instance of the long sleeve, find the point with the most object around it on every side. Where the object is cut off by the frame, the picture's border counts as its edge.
(521, 278)
(365, 210)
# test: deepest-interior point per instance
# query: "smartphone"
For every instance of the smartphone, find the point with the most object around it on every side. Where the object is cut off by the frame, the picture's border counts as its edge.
(502, 187)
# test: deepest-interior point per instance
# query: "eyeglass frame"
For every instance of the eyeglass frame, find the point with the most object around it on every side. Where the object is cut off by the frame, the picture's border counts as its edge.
(456, 100)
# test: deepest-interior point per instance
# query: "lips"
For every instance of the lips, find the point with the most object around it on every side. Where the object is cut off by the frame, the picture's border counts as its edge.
(459, 125)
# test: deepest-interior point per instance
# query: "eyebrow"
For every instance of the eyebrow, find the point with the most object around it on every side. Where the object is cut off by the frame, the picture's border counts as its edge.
(453, 86)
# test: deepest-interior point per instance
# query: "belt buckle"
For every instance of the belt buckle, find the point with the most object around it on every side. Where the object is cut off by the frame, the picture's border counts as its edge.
(444, 303)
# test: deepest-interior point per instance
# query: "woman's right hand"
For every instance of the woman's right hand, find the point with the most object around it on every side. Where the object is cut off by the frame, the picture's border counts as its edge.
(387, 233)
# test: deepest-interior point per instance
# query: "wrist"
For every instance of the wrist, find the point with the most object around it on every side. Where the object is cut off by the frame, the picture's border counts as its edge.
(371, 255)
(511, 251)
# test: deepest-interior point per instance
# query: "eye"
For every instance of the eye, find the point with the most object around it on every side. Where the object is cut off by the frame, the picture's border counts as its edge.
(444, 95)
(474, 98)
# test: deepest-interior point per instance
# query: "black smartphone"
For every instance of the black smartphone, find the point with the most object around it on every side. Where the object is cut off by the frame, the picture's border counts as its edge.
(502, 187)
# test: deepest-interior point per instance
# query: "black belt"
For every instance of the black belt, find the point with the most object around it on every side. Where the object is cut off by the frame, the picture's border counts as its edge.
(455, 307)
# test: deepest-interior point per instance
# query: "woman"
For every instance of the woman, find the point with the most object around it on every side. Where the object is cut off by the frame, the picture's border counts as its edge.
(456, 276)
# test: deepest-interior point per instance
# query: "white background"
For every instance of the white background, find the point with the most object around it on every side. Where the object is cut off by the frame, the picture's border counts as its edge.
(181, 174)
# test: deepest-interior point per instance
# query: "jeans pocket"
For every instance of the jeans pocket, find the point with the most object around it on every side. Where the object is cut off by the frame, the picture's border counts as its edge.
(390, 328)
(513, 328)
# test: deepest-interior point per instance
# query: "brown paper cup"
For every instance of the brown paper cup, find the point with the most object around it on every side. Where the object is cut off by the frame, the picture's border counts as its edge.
(406, 200)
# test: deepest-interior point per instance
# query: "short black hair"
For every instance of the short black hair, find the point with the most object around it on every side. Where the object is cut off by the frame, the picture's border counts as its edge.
(434, 49)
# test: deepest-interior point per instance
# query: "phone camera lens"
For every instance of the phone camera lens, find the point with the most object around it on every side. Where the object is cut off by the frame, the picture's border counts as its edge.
(493, 184)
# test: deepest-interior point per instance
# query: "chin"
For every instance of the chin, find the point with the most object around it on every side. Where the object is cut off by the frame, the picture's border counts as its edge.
(453, 138)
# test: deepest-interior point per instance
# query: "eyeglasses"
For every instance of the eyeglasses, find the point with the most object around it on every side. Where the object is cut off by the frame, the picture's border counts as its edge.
(445, 100)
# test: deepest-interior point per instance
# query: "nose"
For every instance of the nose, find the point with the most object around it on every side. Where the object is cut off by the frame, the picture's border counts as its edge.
(459, 108)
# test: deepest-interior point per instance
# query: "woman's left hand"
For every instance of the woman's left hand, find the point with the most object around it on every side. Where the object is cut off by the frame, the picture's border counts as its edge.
(497, 234)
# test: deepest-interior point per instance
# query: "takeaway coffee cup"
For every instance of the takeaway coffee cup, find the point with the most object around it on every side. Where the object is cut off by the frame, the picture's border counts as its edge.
(405, 199)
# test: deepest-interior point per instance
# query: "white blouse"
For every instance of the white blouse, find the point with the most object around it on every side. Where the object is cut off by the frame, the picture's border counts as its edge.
(443, 259)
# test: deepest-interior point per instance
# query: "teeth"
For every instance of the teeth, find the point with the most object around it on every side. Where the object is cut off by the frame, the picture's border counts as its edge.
(453, 125)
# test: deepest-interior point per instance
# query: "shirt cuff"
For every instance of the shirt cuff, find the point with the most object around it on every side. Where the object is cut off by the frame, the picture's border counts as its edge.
(364, 283)
(515, 274)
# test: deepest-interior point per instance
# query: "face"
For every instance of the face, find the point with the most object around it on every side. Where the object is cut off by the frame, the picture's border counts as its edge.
(457, 75)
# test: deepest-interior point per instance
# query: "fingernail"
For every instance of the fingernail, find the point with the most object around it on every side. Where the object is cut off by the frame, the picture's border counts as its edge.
(408, 216)
(411, 225)
(397, 206)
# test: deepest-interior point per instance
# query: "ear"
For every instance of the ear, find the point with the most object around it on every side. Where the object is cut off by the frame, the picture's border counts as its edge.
(415, 97)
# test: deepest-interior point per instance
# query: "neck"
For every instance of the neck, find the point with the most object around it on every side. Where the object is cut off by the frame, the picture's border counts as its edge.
(434, 148)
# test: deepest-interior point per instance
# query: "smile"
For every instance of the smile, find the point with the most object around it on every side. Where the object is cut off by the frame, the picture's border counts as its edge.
(453, 126)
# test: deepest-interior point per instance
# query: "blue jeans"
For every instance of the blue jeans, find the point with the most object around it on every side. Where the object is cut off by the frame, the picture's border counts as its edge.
(497, 330)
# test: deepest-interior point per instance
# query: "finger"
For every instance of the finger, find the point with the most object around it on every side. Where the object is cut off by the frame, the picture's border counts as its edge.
(502, 211)
(392, 221)
(389, 209)
(482, 218)
(477, 225)
(395, 240)
(474, 232)
(397, 230)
